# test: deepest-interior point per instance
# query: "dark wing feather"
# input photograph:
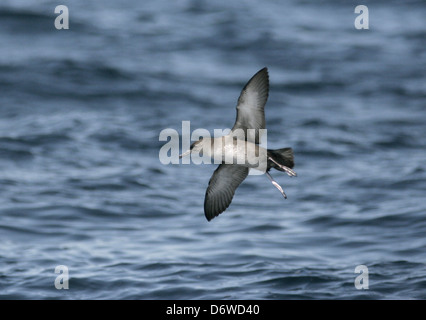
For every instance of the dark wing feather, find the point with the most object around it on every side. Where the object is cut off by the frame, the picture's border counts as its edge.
(251, 105)
(222, 185)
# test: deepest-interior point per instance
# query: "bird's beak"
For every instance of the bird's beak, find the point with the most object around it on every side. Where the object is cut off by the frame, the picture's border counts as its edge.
(184, 154)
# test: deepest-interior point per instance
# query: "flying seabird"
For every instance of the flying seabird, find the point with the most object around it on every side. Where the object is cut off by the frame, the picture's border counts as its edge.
(243, 143)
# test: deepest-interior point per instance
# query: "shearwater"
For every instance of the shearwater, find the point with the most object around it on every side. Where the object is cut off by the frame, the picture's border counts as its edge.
(240, 150)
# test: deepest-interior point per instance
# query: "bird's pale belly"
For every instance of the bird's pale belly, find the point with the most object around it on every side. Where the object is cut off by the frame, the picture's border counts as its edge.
(241, 152)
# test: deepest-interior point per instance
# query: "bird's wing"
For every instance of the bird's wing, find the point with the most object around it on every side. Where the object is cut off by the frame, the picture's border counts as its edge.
(251, 104)
(222, 185)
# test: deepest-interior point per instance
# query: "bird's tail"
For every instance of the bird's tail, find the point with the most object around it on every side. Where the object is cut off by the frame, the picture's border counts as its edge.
(283, 156)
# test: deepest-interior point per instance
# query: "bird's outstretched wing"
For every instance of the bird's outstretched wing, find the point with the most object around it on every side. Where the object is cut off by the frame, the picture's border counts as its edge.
(251, 104)
(222, 185)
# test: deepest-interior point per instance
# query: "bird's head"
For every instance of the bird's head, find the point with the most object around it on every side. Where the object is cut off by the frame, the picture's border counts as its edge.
(195, 147)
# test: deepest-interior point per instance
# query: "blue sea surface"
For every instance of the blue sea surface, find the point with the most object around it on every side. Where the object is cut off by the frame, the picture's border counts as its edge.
(82, 186)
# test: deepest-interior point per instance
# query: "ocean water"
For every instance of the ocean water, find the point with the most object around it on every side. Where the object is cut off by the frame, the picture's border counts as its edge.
(81, 184)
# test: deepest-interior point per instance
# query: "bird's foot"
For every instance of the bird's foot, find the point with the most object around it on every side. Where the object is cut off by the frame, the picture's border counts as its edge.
(287, 170)
(276, 185)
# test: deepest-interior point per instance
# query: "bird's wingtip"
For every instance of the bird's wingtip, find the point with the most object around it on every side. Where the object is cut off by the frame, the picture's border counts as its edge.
(209, 216)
